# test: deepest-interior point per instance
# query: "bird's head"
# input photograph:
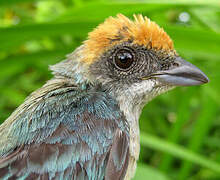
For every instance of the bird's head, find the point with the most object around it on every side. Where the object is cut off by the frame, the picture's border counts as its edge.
(130, 59)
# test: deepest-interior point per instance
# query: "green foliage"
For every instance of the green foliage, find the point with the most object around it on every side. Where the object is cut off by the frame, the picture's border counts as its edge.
(180, 137)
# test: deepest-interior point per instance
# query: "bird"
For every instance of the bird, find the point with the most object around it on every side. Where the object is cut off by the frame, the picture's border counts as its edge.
(83, 123)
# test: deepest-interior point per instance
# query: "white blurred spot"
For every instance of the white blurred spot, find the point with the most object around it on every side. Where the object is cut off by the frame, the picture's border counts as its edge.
(16, 20)
(171, 117)
(184, 17)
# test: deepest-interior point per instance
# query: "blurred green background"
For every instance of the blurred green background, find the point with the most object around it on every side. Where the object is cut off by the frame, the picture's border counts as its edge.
(180, 130)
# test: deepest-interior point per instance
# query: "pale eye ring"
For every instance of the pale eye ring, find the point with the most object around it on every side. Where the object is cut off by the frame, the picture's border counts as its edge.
(123, 59)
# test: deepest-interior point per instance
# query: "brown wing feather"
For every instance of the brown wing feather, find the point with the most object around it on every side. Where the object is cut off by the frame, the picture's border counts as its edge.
(118, 158)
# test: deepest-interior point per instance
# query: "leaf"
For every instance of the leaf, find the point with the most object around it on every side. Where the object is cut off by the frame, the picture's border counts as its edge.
(202, 127)
(193, 42)
(175, 132)
(11, 2)
(147, 172)
(171, 2)
(158, 144)
(13, 65)
(103, 10)
(14, 36)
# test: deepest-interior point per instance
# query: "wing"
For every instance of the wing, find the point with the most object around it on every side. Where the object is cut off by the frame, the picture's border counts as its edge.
(68, 134)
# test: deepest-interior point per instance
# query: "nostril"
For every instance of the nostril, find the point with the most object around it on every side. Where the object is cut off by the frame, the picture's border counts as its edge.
(169, 64)
(175, 64)
(165, 66)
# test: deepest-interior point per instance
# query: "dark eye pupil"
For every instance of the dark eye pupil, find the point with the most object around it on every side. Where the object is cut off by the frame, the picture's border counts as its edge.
(124, 59)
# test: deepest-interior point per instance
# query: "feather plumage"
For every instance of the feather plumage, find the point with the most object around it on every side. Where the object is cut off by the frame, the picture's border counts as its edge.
(67, 134)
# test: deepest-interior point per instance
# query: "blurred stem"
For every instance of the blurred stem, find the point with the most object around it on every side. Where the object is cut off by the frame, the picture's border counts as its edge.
(158, 144)
(206, 17)
(183, 115)
(202, 127)
(77, 3)
(199, 21)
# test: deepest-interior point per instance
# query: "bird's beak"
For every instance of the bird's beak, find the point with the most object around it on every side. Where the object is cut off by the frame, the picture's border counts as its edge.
(185, 74)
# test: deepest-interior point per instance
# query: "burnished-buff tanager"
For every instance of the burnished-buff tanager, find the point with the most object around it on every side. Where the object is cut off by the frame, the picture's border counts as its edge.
(83, 123)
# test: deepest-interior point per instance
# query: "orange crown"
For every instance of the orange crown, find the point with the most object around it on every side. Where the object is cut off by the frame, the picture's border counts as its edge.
(113, 31)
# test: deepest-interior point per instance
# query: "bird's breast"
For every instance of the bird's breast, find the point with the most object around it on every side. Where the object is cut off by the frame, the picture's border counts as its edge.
(132, 110)
(134, 150)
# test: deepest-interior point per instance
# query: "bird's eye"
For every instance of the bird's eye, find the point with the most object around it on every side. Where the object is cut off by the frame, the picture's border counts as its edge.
(124, 59)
